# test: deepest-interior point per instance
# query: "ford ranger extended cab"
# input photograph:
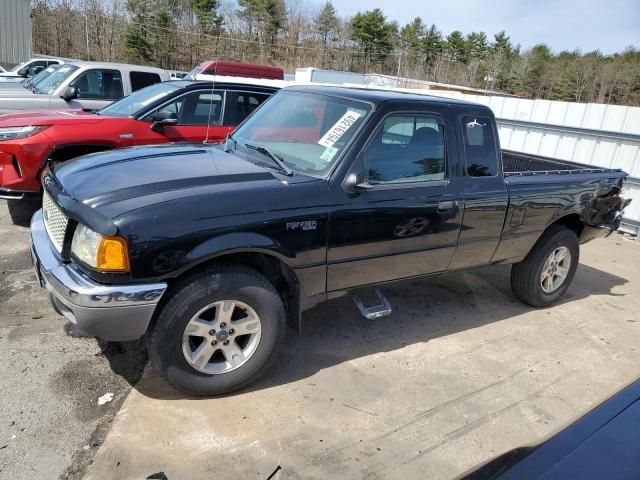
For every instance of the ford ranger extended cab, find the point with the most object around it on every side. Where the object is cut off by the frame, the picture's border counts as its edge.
(209, 251)
(178, 111)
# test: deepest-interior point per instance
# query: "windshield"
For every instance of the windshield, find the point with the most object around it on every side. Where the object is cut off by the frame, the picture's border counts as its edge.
(53, 81)
(192, 74)
(31, 82)
(137, 101)
(18, 67)
(308, 132)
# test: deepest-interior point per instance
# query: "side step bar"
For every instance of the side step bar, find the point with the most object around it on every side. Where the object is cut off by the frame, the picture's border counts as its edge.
(380, 306)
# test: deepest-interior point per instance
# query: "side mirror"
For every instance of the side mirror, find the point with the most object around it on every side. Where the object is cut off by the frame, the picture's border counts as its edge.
(355, 184)
(24, 72)
(70, 93)
(162, 119)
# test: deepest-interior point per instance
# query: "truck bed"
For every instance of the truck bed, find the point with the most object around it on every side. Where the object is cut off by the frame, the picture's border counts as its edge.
(523, 164)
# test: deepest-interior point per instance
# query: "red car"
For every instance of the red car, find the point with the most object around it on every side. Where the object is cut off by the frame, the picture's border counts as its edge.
(228, 68)
(180, 111)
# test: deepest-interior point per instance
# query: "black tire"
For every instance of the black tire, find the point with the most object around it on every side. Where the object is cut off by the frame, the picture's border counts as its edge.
(22, 210)
(526, 275)
(223, 282)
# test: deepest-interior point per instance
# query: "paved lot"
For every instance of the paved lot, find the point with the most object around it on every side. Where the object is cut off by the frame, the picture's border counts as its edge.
(460, 372)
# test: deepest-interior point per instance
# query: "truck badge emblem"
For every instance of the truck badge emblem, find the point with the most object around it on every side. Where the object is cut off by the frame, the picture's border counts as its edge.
(304, 225)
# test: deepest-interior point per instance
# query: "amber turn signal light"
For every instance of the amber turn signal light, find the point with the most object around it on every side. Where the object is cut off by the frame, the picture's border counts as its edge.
(112, 255)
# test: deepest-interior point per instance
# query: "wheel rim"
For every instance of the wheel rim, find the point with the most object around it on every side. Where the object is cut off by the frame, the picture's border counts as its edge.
(555, 269)
(221, 337)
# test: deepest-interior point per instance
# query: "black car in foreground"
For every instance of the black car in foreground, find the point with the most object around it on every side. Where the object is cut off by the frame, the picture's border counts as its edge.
(603, 444)
(209, 251)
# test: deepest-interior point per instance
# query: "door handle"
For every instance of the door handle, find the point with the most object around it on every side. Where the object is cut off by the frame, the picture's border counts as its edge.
(445, 205)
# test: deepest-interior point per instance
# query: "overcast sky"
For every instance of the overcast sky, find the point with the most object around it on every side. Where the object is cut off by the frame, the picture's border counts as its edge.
(607, 25)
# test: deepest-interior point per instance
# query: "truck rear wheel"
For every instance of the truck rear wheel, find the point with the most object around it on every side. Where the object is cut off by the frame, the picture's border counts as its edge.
(547, 271)
(218, 331)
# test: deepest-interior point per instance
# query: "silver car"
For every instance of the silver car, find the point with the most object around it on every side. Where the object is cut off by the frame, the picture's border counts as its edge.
(82, 85)
(28, 69)
(26, 84)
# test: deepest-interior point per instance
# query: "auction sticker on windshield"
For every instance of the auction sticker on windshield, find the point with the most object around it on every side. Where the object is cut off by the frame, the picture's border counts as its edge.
(339, 129)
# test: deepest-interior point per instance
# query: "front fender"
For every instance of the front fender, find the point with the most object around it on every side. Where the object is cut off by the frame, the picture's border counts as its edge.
(233, 243)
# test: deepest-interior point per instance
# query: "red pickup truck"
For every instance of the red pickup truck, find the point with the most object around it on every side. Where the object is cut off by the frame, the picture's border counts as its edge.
(179, 111)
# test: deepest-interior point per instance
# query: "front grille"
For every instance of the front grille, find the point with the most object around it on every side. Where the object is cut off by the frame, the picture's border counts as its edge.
(55, 221)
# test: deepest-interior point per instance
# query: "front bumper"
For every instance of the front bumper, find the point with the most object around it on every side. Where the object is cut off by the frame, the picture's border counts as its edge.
(110, 312)
(10, 194)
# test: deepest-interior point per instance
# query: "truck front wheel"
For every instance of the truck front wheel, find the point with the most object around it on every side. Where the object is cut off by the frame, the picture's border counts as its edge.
(547, 271)
(218, 331)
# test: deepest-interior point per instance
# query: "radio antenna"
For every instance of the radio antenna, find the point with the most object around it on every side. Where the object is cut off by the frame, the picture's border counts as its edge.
(213, 85)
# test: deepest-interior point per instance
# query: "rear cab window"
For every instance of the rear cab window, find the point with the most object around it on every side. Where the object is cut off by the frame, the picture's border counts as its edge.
(479, 146)
(140, 80)
(239, 105)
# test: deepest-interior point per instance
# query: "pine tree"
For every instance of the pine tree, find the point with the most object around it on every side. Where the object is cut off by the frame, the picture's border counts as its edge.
(326, 22)
(138, 39)
(206, 12)
(432, 44)
(412, 35)
(371, 31)
(456, 47)
(477, 45)
(275, 19)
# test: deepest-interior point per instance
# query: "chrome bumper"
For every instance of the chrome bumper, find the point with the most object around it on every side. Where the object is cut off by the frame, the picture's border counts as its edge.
(111, 312)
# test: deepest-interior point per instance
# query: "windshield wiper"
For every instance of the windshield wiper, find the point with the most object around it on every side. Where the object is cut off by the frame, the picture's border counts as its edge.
(278, 161)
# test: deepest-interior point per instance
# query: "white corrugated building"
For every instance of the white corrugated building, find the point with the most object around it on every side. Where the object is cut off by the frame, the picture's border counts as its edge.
(15, 31)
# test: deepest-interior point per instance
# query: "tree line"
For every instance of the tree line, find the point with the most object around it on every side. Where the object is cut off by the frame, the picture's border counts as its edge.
(178, 34)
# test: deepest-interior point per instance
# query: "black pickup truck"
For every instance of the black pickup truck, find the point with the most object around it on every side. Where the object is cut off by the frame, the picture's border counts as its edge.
(210, 250)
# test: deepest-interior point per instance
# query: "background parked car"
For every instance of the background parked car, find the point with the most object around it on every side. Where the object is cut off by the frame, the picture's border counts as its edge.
(26, 84)
(84, 85)
(28, 69)
(604, 443)
(227, 68)
(176, 111)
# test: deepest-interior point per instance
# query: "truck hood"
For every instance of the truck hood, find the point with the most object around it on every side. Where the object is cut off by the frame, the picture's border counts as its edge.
(47, 117)
(119, 181)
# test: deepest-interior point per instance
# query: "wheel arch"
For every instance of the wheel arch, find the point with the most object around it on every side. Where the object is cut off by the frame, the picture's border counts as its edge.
(269, 263)
(571, 221)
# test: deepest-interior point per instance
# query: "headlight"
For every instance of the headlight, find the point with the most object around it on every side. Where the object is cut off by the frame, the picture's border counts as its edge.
(10, 133)
(107, 254)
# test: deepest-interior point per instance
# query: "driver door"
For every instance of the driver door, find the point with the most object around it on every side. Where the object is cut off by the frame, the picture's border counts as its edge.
(96, 89)
(195, 110)
(407, 224)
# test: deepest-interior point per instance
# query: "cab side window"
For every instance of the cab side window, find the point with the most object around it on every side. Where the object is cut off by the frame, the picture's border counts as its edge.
(479, 146)
(99, 85)
(407, 148)
(202, 107)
